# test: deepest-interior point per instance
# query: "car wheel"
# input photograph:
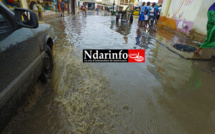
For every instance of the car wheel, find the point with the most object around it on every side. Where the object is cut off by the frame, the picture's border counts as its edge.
(47, 65)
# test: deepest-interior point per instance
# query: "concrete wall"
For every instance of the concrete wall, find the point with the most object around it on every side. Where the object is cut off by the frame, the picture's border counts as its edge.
(185, 15)
(165, 7)
(201, 17)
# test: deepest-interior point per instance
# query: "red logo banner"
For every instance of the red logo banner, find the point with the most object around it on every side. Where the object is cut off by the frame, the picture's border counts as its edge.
(136, 55)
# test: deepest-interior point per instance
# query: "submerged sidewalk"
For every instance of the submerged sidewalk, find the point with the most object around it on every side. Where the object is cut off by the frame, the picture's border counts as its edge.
(170, 38)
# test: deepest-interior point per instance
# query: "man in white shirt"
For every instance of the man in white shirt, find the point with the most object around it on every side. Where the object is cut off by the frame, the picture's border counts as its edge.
(147, 13)
(152, 13)
(142, 12)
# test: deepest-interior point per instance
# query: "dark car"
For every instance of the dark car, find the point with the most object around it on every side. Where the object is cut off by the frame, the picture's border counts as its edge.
(25, 57)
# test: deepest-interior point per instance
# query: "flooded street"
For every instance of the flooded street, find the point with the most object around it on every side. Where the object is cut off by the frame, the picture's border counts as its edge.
(167, 94)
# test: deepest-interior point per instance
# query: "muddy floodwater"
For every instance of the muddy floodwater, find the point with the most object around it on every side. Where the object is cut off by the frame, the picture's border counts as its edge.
(165, 95)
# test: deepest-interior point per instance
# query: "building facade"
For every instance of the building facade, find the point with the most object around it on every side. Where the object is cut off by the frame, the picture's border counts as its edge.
(120, 2)
(108, 2)
(90, 4)
(30, 4)
(160, 1)
(15, 3)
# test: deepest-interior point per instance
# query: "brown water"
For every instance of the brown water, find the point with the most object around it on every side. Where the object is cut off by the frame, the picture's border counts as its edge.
(166, 94)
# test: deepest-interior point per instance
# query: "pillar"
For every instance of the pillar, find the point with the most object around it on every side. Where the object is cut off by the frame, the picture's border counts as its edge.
(165, 13)
(69, 6)
(73, 6)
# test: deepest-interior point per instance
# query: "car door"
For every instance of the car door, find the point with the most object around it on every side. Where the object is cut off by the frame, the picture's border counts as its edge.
(18, 49)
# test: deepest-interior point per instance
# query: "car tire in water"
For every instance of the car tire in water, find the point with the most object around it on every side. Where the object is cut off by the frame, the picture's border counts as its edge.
(47, 65)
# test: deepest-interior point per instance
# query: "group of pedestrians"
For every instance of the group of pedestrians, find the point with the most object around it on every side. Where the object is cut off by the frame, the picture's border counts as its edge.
(149, 14)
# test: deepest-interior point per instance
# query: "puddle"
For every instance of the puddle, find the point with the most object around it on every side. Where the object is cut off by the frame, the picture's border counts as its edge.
(166, 94)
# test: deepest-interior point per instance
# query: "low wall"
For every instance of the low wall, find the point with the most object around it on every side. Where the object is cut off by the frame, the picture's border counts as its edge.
(185, 15)
(201, 18)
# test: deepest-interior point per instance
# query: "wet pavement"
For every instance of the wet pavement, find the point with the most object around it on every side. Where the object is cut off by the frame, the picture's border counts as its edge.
(169, 39)
(166, 94)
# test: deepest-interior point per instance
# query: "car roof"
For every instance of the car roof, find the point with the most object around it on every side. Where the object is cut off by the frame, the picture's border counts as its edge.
(6, 8)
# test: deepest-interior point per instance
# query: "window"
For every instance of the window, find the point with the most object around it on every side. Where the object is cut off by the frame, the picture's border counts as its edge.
(3, 21)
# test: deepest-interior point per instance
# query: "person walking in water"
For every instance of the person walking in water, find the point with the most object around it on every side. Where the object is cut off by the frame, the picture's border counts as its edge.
(147, 13)
(152, 14)
(210, 39)
(84, 9)
(139, 4)
(39, 10)
(62, 6)
(158, 14)
(142, 13)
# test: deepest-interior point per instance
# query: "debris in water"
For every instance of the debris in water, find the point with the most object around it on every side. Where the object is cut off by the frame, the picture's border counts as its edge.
(83, 93)
(126, 108)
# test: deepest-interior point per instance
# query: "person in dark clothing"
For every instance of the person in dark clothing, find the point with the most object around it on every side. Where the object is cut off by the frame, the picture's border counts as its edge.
(62, 6)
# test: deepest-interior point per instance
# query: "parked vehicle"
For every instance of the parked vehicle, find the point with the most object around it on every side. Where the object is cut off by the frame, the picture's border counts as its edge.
(136, 11)
(25, 56)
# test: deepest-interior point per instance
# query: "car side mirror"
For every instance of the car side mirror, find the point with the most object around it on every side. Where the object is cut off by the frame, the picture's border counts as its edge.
(26, 18)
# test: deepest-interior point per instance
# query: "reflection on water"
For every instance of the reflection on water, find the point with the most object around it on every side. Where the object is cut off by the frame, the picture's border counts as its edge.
(121, 27)
(166, 94)
(169, 38)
